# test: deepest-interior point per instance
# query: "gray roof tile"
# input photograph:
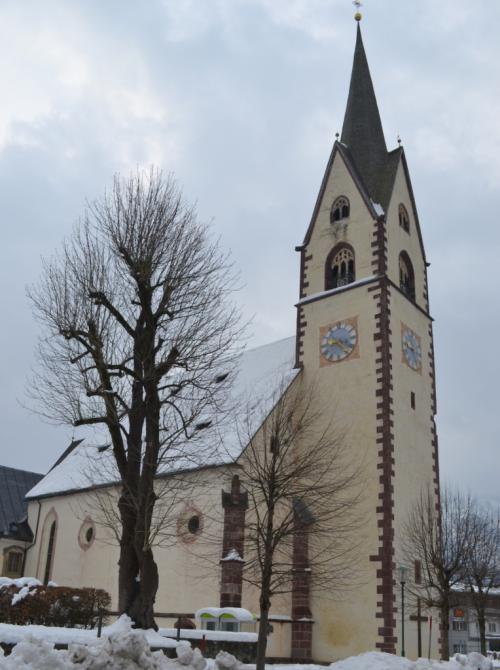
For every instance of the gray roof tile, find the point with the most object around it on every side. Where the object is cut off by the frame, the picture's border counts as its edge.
(14, 484)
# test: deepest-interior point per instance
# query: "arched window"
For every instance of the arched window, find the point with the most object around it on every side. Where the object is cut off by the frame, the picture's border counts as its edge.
(406, 275)
(404, 219)
(50, 553)
(340, 209)
(339, 270)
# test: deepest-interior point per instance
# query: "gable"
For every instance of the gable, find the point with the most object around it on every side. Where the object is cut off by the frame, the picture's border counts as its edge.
(399, 240)
(356, 231)
(339, 156)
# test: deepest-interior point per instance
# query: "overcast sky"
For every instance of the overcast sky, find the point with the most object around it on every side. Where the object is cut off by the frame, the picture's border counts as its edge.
(241, 99)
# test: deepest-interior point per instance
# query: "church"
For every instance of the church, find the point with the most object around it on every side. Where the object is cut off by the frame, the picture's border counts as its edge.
(364, 335)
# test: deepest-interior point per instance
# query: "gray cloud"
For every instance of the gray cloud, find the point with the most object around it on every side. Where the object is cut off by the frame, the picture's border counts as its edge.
(242, 98)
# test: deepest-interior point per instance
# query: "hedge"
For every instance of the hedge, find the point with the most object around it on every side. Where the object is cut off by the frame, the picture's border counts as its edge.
(53, 606)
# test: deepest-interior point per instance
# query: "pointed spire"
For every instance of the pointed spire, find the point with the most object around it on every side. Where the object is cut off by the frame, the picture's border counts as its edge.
(362, 131)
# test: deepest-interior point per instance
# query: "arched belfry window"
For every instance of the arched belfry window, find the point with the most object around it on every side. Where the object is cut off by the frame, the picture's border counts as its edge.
(340, 270)
(406, 275)
(404, 219)
(340, 209)
(50, 553)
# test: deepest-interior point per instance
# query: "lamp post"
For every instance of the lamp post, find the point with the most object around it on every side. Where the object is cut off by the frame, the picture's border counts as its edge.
(402, 580)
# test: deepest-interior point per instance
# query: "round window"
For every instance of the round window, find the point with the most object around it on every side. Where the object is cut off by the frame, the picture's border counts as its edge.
(190, 524)
(86, 535)
(194, 524)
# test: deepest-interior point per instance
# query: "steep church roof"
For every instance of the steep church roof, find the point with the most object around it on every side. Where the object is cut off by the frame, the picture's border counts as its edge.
(362, 132)
(14, 484)
(260, 376)
(362, 145)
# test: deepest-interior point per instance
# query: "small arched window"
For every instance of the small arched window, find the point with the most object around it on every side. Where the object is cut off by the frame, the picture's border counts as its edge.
(340, 209)
(406, 275)
(404, 219)
(50, 553)
(339, 270)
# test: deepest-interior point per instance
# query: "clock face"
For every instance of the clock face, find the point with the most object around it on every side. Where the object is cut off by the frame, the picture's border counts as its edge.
(412, 350)
(338, 342)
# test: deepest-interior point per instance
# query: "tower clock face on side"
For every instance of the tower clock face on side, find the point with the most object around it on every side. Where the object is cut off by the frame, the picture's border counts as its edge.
(412, 351)
(338, 342)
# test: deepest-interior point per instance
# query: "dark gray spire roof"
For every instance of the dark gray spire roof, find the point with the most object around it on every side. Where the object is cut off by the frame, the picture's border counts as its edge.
(362, 131)
(14, 485)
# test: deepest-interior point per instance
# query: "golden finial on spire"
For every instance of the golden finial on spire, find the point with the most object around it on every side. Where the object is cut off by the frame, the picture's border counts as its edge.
(358, 16)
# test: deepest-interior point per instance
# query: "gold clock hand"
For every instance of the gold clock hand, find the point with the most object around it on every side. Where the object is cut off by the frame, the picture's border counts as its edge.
(341, 345)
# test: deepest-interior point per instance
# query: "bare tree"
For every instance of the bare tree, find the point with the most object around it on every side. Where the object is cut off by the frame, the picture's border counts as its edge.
(437, 536)
(482, 569)
(137, 327)
(303, 488)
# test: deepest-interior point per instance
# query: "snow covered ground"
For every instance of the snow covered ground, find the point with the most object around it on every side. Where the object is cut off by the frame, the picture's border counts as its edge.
(10, 634)
(122, 648)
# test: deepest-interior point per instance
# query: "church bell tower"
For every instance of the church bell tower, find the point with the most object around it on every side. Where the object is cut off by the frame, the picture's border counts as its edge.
(364, 334)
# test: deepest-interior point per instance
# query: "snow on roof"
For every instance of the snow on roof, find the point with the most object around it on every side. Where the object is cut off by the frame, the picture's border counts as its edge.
(237, 613)
(333, 291)
(262, 374)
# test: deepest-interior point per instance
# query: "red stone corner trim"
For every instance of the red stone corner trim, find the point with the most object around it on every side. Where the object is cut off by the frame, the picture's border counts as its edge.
(386, 597)
(235, 505)
(385, 444)
(301, 643)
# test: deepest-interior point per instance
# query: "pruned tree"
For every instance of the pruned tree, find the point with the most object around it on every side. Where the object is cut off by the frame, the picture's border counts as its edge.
(437, 535)
(482, 568)
(137, 324)
(303, 487)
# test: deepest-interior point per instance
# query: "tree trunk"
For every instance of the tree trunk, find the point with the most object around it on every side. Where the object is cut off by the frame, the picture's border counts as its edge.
(263, 632)
(138, 573)
(141, 609)
(444, 647)
(128, 586)
(481, 620)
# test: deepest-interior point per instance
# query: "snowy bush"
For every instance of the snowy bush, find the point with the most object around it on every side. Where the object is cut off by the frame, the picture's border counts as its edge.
(27, 601)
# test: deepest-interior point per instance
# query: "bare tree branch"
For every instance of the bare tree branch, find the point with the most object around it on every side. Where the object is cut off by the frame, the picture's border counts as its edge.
(135, 303)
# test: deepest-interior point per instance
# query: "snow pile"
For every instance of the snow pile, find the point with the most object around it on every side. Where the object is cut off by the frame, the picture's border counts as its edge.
(474, 661)
(226, 661)
(375, 660)
(188, 658)
(122, 648)
(123, 626)
(380, 661)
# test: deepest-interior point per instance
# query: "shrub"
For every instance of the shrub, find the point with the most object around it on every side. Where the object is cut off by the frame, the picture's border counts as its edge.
(52, 605)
